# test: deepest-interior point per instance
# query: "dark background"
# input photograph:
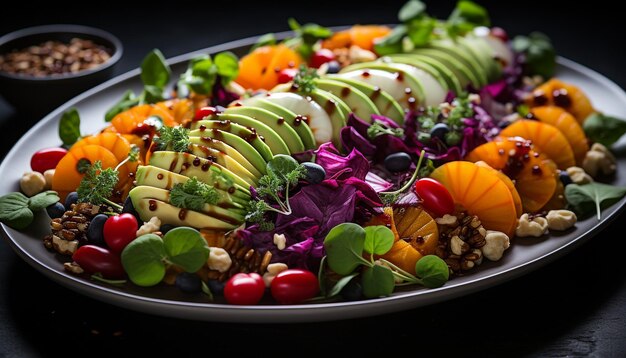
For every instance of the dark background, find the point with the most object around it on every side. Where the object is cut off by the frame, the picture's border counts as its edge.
(573, 307)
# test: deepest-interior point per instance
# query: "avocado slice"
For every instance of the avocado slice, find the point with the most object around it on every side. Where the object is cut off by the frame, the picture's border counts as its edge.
(207, 144)
(359, 103)
(428, 64)
(463, 55)
(481, 51)
(227, 126)
(294, 120)
(223, 159)
(276, 122)
(460, 70)
(386, 104)
(147, 207)
(267, 134)
(213, 136)
(206, 171)
(160, 178)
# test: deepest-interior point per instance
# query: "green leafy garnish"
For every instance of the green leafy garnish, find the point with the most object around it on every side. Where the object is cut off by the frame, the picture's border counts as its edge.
(412, 9)
(587, 199)
(461, 107)
(539, 53)
(378, 129)
(128, 100)
(347, 245)
(146, 258)
(392, 43)
(16, 209)
(283, 172)
(465, 17)
(305, 79)
(306, 37)
(193, 194)
(173, 138)
(97, 185)
(69, 127)
(203, 72)
(265, 40)
(604, 129)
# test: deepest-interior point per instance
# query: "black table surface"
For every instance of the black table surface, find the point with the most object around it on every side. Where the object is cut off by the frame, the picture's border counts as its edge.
(574, 306)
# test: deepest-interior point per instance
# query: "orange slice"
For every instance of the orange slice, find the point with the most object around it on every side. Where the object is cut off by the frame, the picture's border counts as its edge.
(568, 125)
(564, 95)
(509, 184)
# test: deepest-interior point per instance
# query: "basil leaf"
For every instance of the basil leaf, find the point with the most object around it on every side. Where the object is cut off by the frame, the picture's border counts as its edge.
(200, 75)
(152, 94)
(341, 284)
(391, 43)
(128, 100)
(378, 239)
(432, 270)
(43, 200)
(14, 211)
(265, 40)
(143, 260)
(154, 70)
(586, 199)
(69, 127)
(469, 13)
(377, 281)
(186, 248)
(344, 247)
(411, 10)
(227, 66)
(604, 129)
(540, 56)
(420, 31)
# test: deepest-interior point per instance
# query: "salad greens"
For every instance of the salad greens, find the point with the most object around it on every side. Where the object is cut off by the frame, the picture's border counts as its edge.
(306, 37)
(69, 127)
(17, 210)
(305, 79)
(587, 199)
(540, 56)
(193, 194)
(604, 129)
(203, 72)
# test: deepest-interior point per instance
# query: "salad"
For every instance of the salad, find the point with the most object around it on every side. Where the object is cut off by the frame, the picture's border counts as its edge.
(327, 165)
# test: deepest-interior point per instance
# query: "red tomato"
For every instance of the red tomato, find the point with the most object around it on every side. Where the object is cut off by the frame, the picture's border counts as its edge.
(203, 112)
(95, 259)
(119, 231)
(287, 75)
(435, 197)
(320, 57)
(294, 286)
(47, 159)
(244, 289)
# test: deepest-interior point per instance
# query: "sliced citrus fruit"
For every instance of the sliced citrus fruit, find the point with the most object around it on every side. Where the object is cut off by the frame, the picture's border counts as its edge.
(481, 192)
(260, 68)
(545, 137)
(564, 95)
(509, 184)
(568, 125)
(533, 173)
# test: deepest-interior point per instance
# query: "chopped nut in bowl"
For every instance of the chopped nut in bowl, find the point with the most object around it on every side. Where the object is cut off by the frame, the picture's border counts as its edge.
(55, 61)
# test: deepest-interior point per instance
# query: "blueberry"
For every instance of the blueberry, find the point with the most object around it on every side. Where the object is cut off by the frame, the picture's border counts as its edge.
(95, 232)
(188, 282)
(216, 287)
(55, 210)
(333, 67)
(314, 173)
(71, 198)
(565, 178)
(398, 162)
(165, 228)
(439, 130)
(129, 208)
(352, 291)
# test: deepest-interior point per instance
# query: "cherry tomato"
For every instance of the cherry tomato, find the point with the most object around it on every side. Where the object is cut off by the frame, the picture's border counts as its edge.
(287, 75)
(320, 57)
(500, 33)
(47, 159)
(119, 231)
(244, 289)
(203, 112)
(294, 286)
(436, 198)
(95, 259)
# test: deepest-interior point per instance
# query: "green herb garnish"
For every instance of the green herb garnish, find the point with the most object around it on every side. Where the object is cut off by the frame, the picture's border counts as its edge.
(377, 129)
(17, 210)
(305, 79)
(69, 127)
(173, 138)
(283, 172)
(147, 258)
(203, 72)
(539, 53)
(348, 247)
(193, 194)
(465, 17)
(604, 129)
(265, 40)
(307, 36)
(591, 198)
(97, 185)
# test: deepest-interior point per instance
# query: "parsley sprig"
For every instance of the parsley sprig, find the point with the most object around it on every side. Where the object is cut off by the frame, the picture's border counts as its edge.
(97, 185)
(173, 138)
(377, 129)
(283, 173)
(305, 79)
(193, 194)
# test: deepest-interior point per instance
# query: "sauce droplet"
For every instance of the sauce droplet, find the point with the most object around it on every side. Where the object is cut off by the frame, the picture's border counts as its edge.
(152, 205)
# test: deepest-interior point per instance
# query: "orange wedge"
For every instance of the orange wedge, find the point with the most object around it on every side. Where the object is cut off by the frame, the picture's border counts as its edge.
(568, 125)
(564, 95)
